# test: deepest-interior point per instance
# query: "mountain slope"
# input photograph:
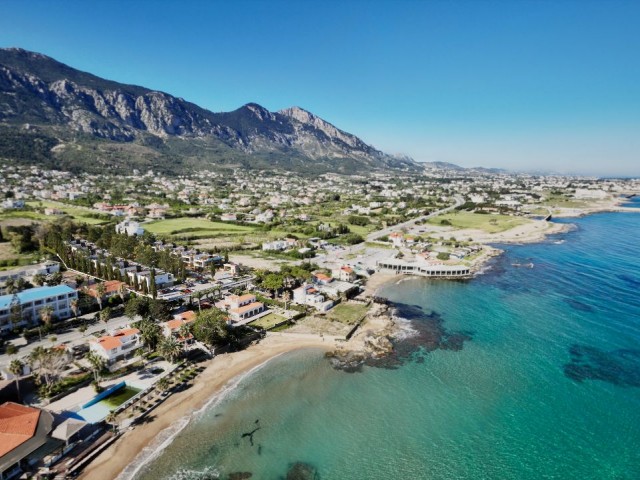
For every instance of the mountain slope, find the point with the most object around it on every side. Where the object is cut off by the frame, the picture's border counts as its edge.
(66, 118)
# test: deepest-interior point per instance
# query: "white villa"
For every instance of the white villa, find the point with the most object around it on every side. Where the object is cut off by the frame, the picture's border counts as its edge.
(117, 346)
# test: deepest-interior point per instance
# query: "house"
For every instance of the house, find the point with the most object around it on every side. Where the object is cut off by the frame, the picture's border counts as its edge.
(229, 217)
(307, 294)
(322, 279)
(111, 288)
(396, 238)
(242, 307)
(344, 273)
(130, 228)
(53, 211)
(23, 430)
(29, 303)
(172, 327)
(28, 272)
(117, 346)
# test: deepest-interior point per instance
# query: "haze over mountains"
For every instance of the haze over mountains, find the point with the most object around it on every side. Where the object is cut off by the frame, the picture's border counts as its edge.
(56, 116)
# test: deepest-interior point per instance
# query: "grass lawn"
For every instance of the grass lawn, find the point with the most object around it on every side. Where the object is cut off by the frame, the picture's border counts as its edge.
(80, 214)
(488, 223)
(198, 227)
(268, 321)
(21, 214)
(347, 312)
(118, 398)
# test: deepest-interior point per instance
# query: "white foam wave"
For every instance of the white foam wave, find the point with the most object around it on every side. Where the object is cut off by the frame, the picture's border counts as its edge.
(166, 437)
(405, 328)
(207, 474)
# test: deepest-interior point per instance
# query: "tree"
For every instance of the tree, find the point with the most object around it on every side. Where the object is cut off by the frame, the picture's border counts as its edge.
(210, 327)
(185, 331)
(170, 348)
(48, 363)
(11, 349)
(153, 289)
(105, 315)
(198, 296)
(122, 290)
(150, 332)
(39, 279)
(46, 315)
(10, 286)
(100, 291)
(54, 279)
(273, 282)
(162, 384)
(97, 364)
(15, 311)
(16, 367)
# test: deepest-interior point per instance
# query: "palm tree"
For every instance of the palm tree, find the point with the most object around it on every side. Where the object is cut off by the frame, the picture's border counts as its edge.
(184, 332)
(100, 291)
(170, 348)
(97, 365)
(75, 308)
(150, 332)
(46, 314)
(198, 295)
(39, 279)
(162, 384)
(16, 367)
(10, 286)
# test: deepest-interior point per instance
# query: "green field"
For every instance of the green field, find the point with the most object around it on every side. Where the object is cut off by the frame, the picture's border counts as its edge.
(348, 313)
(22, 214)
(268, 321)
(80, 214)
(477, 221)
(195, 227)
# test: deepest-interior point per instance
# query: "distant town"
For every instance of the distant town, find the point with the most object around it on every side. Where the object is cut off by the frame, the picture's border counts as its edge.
(116, 291)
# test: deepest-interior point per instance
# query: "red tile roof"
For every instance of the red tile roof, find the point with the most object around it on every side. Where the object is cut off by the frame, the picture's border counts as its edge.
(17, 425)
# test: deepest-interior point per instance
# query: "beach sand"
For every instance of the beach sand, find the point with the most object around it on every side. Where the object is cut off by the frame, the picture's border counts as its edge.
(219, 371)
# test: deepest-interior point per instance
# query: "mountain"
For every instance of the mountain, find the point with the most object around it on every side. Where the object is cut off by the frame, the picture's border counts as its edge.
(55, 115)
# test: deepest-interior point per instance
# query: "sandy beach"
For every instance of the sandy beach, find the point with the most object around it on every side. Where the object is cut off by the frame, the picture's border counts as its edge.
(219, 372)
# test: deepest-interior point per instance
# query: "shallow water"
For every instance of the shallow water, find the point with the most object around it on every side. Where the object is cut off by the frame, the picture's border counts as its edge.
(545, 383)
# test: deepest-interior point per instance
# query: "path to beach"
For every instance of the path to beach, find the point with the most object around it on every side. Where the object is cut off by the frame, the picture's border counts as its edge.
(219, 372)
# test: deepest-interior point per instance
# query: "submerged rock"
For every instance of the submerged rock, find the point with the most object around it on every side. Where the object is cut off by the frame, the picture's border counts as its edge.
(302, 471)
(240, 475)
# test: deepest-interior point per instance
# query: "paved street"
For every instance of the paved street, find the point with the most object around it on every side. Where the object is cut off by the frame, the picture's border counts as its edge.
(73, 337)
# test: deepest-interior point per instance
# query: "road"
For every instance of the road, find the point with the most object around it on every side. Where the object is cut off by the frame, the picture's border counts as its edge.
(412, 223)
(71, 338)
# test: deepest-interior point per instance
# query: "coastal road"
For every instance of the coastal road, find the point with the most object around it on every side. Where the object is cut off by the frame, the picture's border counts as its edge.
(70, 338)
(412, 223)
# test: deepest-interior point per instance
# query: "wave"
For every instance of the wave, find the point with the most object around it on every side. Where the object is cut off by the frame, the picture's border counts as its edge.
(166, 436)
(405, 328)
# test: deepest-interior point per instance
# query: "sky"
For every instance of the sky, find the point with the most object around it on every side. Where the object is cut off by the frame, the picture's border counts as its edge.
(524, 85)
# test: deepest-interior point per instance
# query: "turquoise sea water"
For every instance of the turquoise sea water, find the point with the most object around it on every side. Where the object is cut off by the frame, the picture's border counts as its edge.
(523, 373)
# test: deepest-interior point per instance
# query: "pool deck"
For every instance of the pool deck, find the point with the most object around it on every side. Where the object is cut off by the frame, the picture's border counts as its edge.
(141, 379)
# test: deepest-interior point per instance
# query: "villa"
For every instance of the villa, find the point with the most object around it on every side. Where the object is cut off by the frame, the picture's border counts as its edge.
(116, 347)
(172, 327)
(241, 307)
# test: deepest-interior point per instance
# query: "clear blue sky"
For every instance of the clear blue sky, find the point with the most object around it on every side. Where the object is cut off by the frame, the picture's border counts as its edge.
(514, 84)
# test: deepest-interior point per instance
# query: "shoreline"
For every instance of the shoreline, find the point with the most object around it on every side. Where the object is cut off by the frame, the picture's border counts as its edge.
(224, 372)
(221, 373)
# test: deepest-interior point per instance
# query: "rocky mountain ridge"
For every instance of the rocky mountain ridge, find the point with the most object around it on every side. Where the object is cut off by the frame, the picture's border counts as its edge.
(86, 116)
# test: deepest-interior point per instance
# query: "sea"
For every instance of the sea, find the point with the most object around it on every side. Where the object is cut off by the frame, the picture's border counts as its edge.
(531, 370)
